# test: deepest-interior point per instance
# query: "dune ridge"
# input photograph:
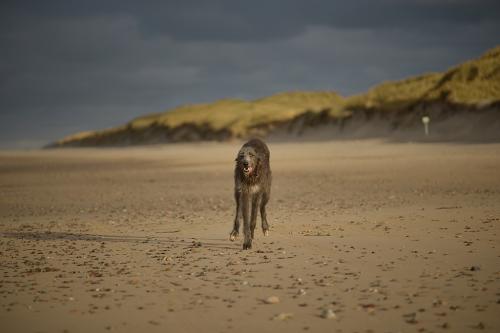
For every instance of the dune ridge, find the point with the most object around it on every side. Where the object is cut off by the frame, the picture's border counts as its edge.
(463, 102)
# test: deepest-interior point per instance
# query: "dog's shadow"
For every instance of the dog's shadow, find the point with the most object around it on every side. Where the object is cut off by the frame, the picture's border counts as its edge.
(155, 240)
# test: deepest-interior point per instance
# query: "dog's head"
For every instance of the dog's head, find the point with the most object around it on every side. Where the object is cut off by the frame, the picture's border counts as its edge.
(247, 161)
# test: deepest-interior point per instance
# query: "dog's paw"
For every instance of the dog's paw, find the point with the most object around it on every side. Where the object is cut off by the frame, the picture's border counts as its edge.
(247, 245)
(233, 236)
(266, 232)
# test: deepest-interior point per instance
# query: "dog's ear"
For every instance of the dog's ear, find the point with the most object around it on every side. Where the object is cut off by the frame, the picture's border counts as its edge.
(257, 161)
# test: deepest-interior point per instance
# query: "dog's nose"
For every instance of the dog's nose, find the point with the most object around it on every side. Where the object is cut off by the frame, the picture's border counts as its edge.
(245, 163)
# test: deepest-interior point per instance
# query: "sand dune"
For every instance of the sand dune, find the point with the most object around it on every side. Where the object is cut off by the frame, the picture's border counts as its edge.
(462, 102)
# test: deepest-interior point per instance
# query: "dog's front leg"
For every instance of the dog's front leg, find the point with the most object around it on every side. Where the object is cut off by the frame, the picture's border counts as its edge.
(255, 209)
(236, 227)
(263, 214)
(245, 208)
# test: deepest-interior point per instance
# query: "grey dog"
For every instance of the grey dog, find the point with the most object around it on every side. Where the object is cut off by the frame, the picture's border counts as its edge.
(252, 189)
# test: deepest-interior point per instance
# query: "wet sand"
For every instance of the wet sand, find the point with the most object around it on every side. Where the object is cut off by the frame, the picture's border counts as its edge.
(365, 237)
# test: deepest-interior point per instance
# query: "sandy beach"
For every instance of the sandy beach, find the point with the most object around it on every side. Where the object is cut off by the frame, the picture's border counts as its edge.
(366, 236)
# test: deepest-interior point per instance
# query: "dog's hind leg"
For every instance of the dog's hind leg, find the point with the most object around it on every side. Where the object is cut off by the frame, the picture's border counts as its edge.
(245, 207)
(236, 228)
(255, 207)
(263, 213)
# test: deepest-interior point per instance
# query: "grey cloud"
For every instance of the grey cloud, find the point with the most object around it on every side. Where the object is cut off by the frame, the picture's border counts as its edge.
(261, 20)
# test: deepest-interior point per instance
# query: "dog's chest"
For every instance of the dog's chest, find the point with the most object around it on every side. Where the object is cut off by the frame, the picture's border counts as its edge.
(253, 189)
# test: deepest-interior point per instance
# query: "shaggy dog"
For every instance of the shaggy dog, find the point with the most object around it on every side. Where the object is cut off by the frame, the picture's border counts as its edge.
(252, 189)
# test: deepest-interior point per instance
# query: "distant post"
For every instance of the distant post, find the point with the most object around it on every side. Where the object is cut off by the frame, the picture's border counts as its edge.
(426, 120)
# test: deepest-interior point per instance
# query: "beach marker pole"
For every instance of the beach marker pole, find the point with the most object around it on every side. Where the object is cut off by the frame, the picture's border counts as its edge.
(426, 120)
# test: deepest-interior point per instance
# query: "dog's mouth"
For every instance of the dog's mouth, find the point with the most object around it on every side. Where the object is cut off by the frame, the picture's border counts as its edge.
(247, 170)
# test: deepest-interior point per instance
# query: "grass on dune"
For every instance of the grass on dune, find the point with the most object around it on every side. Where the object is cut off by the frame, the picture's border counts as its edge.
(473, 83)
(238, 115)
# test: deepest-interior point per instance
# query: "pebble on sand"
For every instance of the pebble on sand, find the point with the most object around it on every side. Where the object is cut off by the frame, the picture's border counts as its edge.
(328, 314)
(283, 316)
(272, 300)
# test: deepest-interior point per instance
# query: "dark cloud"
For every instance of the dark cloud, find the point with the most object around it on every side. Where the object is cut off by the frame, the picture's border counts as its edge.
(74, 65)
(230, 20)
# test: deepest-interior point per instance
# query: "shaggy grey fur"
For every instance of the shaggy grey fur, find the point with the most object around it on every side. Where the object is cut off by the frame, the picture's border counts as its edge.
(252, 189)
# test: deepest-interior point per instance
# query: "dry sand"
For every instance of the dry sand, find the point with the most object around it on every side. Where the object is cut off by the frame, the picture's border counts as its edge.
(378, 237)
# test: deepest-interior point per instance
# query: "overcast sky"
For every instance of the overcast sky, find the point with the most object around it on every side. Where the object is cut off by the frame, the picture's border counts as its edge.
(67, 66)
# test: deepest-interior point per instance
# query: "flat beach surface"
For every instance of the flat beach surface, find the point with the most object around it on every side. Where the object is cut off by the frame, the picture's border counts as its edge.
(366, 236)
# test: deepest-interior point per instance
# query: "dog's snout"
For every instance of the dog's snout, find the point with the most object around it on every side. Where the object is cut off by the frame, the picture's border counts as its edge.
(245, 163)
